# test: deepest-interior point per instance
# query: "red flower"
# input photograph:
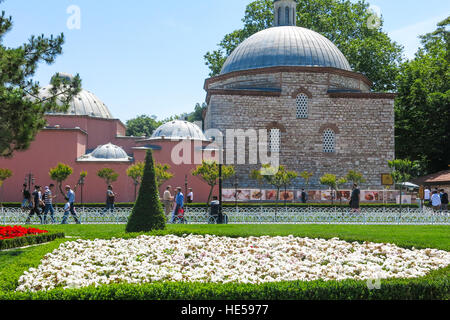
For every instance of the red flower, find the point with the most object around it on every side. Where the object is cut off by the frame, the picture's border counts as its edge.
(9, 232)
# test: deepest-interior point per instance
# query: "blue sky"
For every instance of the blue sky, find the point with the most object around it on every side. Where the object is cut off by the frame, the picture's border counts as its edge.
(146, 57)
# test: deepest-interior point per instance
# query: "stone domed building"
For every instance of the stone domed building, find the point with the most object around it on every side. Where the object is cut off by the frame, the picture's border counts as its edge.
(320, 115)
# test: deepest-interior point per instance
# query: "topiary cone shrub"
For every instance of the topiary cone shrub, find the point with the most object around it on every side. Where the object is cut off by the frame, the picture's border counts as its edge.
(147, 214)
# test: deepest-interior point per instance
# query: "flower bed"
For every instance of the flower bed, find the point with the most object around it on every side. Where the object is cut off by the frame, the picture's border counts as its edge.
(17, 236)
(213, 259)
(9, 232)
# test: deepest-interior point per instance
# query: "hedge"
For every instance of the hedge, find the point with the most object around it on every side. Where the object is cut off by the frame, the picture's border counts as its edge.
(392, 289)
(29, 240)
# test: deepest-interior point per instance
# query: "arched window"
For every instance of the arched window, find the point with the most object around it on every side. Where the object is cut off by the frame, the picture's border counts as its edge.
(286, 22)
(279, 16)
(274, 140)
(329, 141)
(302, 106)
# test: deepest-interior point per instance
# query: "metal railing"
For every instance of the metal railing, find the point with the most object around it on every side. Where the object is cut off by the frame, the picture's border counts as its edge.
(252, 215)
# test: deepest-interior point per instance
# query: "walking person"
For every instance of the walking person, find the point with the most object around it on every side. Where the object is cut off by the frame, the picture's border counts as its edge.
(71, 199)
(26, 198)
(427, 195)
(436, 201)
(110, 199)
(167, 201)
(355, 199)
(48, 201)
(444, 200)
(179, 204)
(304, 196)
(190, 196)
(66, 213)
(36, 197)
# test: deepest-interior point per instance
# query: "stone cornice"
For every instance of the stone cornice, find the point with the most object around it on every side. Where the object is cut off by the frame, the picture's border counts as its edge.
(330, 70)
(362, 95)
(242, 92)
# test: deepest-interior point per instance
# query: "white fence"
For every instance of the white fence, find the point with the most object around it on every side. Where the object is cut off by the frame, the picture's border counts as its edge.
(253, 215)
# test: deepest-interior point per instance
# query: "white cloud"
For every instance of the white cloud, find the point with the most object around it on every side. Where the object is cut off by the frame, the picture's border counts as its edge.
(408, 36)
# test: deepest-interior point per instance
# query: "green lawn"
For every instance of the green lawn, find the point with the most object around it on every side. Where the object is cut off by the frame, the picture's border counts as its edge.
(13, 263)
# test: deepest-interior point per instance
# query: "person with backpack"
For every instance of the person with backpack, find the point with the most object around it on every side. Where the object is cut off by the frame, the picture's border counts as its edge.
(48, 201)
(110, 199)
(179, 201)
(37, 203)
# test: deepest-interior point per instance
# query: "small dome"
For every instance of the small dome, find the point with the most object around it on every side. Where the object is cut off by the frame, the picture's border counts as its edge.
(285, 46)
(179, 130)
(109, 152)
(84, 103)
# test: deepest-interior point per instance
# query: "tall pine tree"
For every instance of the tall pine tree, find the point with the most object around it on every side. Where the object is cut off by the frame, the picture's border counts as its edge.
(147, 212)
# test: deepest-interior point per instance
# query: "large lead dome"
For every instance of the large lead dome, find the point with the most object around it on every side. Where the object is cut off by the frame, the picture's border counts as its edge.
(285, 46)
(85, 103)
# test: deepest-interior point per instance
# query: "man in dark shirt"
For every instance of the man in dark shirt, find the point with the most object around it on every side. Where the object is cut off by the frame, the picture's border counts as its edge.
(355, 199)
(444, 200)
(304, 196)
(37, 202)
(26, 196)
(110, 198)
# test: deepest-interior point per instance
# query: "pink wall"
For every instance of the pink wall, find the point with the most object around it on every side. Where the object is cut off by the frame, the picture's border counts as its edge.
(52, 146)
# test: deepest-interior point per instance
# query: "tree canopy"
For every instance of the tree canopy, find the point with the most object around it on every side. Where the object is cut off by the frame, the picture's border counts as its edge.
(368, 49)
(22, 109)
(422, 106)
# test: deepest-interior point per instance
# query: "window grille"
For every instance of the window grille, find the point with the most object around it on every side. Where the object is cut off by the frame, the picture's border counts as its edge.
(329, 141)
(302, 106)
(274, 140)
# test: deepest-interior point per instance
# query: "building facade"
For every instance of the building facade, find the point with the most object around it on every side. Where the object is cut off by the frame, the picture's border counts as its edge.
(320, 115)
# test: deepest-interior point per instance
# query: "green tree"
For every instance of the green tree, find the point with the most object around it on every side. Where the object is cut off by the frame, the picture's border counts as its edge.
(307, 177)
(355, 177)
(197, 114)
(4, 174)
(22, 108)
(333, 183)
(369, 50)
(136, 172)
(209, 172)
(147, 214)
(59, 174)
(401, 173)
(108, 175)
(162, 174)
(142, 126)
(422, 125)
(278, 177)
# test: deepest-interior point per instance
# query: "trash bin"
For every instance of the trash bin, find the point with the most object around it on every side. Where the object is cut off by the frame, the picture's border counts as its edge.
(215, 210)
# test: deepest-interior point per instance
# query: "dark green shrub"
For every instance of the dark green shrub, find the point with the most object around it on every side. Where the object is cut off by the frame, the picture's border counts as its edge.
(29, 240)
(393, 289)
(147, 214)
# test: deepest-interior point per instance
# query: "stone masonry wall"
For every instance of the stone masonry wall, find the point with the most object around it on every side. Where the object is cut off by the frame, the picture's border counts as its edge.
(364, 127)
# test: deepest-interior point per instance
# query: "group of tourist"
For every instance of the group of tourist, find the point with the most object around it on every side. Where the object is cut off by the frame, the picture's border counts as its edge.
(40, 204)
(174, 205)
(438, 199)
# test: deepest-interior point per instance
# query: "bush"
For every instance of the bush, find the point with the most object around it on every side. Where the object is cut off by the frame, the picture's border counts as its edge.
(29, 240)
(428, 288)
(147, 214)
